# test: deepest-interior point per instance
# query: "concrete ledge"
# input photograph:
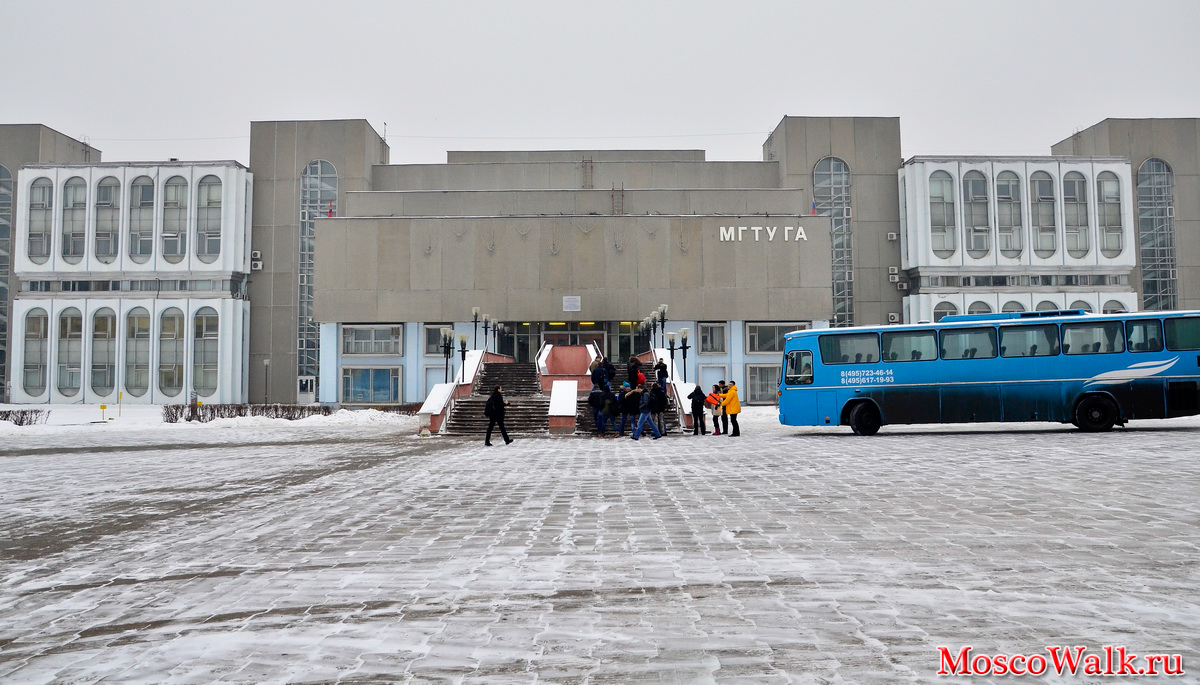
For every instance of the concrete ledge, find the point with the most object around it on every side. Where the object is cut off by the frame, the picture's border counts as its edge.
(562, 425)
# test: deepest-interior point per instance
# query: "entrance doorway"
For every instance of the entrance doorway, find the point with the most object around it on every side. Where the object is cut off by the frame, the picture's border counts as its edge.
(597, 338)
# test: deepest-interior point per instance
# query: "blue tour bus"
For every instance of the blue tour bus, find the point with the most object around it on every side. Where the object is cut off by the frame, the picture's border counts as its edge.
(1091, 370)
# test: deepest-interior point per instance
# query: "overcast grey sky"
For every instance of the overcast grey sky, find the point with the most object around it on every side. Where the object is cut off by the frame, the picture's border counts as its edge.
(152, 79)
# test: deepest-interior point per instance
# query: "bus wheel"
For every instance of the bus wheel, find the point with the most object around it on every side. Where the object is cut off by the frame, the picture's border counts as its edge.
(1095, 414)
(864, 419)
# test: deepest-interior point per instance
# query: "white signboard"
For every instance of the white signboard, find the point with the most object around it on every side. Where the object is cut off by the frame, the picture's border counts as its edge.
(571, 303)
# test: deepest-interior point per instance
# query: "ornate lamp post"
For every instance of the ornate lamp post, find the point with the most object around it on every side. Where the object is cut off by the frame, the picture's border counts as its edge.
(652, 323)
(662, 319)
(447, 346)
(462, 352)
(671, 346)
(497, 329)
(487, 326)
(683, 337)
(475, 333)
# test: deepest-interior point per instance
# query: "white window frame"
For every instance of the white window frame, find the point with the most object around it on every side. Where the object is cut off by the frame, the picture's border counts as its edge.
(712, 326)
(789, 325)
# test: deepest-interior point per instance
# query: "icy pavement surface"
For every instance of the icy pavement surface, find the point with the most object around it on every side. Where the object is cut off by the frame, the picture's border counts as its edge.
(347, 549)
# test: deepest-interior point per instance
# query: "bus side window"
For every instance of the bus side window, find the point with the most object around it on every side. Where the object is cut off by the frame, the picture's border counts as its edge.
(1183, 333)
(798, 370)
(1144, 335)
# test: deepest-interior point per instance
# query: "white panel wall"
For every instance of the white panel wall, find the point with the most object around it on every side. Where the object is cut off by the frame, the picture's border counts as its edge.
(233, 341)
(235, 216)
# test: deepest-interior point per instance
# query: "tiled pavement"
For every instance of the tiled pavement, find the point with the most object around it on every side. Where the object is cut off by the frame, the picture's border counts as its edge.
(367, 555)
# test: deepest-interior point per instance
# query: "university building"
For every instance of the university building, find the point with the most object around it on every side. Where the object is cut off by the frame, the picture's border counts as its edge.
(322, 272)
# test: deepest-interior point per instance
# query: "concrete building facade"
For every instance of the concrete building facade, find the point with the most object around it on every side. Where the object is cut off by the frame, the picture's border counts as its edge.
(355, 266)
(131, 283)
(22, 144)
(1164, 155)
(990, 234)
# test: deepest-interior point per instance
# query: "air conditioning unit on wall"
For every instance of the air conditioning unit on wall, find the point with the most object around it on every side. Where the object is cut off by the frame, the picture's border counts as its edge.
(893, 269)
(893, 236)
(893, 278)
(893, 317)
(256, 265)
(901, 286)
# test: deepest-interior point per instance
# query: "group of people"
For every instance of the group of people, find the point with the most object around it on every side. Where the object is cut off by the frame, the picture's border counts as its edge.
(638, 404)
(725, 406)
(635, 406)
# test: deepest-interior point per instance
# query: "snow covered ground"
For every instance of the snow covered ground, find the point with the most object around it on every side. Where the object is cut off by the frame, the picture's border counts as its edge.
(346, 548)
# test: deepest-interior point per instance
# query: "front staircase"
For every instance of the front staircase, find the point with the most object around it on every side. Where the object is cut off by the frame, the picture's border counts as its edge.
(528, 409)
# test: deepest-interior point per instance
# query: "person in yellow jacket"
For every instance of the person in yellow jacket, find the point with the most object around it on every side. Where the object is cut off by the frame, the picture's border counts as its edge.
(733, 407)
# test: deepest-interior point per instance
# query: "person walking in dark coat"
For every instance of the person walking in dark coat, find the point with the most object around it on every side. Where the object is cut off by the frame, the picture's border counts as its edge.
(629, 401)
(658, 405)
(644, 414)
(660, 373)
(610, 372)
(494, 410)
(698, 398)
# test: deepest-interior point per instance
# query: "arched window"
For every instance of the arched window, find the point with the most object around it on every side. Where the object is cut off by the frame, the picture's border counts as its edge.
(1013, 306)
(942, 227)
(975, 214)
(141, 220)
(831, 198)
(104, 351)
(1114, 307)
(1156, 234)
(208, 219)
(1008, 214)
(74, 220)
(137, 352)
(1041, 205)
(70, 351)
(942, 310)
(1108, 198)
(175, 213)
(979, 308)
(204, 351)
(1075, 214)
(41, 220)
(108, 220)
(37, 332)
(318, 198)
(171, 341)
(1047, 306)
(1080, 304)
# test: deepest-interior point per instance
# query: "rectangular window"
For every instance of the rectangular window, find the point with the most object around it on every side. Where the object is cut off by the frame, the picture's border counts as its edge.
(799, 370)
(372, 340)
(1029, 341)
(850, 348)
(768, 337)
(762, 383)
(1144, 336)
(910, 346)
(1103, 337)
(433, 338)
(968, 343)
(1183, 333)
(377, 386)
(712, 338)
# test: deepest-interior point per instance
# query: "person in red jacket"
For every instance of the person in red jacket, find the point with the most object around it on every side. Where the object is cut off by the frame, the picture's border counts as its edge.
(714, 405)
